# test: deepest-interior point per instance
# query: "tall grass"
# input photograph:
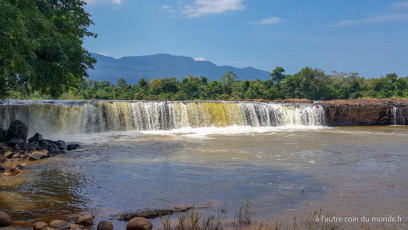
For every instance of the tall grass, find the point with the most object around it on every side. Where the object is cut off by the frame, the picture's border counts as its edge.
(243, 220)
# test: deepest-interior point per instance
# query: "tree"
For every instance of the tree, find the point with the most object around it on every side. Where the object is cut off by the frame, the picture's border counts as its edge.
(277, 74)
(121, 82)
(228, 81)
(41, 46)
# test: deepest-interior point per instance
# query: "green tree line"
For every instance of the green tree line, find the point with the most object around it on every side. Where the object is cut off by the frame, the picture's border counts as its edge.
(308, 83)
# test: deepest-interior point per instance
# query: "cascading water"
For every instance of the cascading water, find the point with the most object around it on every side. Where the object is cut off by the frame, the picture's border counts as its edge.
(102, 116)
(398, 116)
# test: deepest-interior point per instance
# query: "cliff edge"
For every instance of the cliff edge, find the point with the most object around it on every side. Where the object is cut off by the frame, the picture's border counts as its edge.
(366, 112)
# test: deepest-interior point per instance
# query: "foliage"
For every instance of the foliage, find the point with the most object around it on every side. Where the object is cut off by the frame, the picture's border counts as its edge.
(308, 83)
(41, 46)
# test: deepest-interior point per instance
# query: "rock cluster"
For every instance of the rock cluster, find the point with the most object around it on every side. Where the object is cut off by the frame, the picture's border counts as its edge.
(85, 221)
(14, 145)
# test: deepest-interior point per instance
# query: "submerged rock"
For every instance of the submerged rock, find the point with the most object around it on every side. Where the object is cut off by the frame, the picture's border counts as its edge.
(153, 213)
(17, 129)
(139, 223)
(36, 155)
(86, 220)
(104, 225)
(5, 219)
(40, 226)
(58, 224)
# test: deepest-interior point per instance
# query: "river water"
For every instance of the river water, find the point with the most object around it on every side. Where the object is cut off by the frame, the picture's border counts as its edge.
(287, 172)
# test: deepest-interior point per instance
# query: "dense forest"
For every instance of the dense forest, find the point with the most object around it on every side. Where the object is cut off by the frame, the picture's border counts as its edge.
(308, 83)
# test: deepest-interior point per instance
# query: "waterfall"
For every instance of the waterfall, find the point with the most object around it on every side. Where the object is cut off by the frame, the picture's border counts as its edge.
(397, 116)
(103, 116)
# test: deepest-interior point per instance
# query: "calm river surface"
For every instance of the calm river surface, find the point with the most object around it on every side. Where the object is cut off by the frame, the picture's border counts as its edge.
(346, 171)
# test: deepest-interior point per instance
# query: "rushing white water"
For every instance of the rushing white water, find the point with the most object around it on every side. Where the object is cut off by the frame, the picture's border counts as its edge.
(398, 116)
(102, 116)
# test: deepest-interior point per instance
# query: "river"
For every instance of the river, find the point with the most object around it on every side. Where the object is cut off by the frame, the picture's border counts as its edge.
(287, 170)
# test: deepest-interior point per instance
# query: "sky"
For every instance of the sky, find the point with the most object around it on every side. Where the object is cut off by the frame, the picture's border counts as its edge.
(369, 37)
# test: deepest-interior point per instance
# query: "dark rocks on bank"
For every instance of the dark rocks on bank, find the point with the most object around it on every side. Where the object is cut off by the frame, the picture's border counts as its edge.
(5, 219)
(104, 225)
(139, 223)
(73, 146)
(49, 145)
(2, 135)
(86, 220)
(26, 148)
(15, 141)
(61, 144)
(58, 224)
(36, 155)
(37, 137)
(17, 129)
(35, 144)
(40, 226)
(2, 169)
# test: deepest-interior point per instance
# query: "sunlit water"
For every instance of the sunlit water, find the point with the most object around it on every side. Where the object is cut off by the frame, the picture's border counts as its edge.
(286, 172)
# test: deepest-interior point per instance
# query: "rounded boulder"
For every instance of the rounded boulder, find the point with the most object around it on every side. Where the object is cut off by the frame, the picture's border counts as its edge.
(85, 220)
(5, 219)
(18, 130)
(40, 226)
(58, 224)
(104, 225)
(139, 223)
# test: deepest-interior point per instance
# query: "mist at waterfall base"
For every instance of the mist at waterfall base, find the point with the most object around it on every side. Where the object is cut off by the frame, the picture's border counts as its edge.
(282, 157)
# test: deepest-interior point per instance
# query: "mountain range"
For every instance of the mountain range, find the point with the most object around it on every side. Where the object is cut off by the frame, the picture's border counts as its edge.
(164, 66)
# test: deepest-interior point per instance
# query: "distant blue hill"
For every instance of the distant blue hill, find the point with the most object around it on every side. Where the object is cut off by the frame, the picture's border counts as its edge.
(164, 66)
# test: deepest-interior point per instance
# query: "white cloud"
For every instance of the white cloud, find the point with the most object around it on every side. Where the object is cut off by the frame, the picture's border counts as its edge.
(117, 1)
(165, 7)
(168, 9)
(268, 21)
(206, 7)
(345, 23)
(199, 59)
(383, 18)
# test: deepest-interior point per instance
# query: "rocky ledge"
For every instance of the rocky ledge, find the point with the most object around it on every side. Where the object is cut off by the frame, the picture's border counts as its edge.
(366, 112)
(14, 146)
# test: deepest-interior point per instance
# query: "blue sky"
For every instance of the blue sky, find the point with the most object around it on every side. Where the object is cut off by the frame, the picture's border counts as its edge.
(365, 36)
